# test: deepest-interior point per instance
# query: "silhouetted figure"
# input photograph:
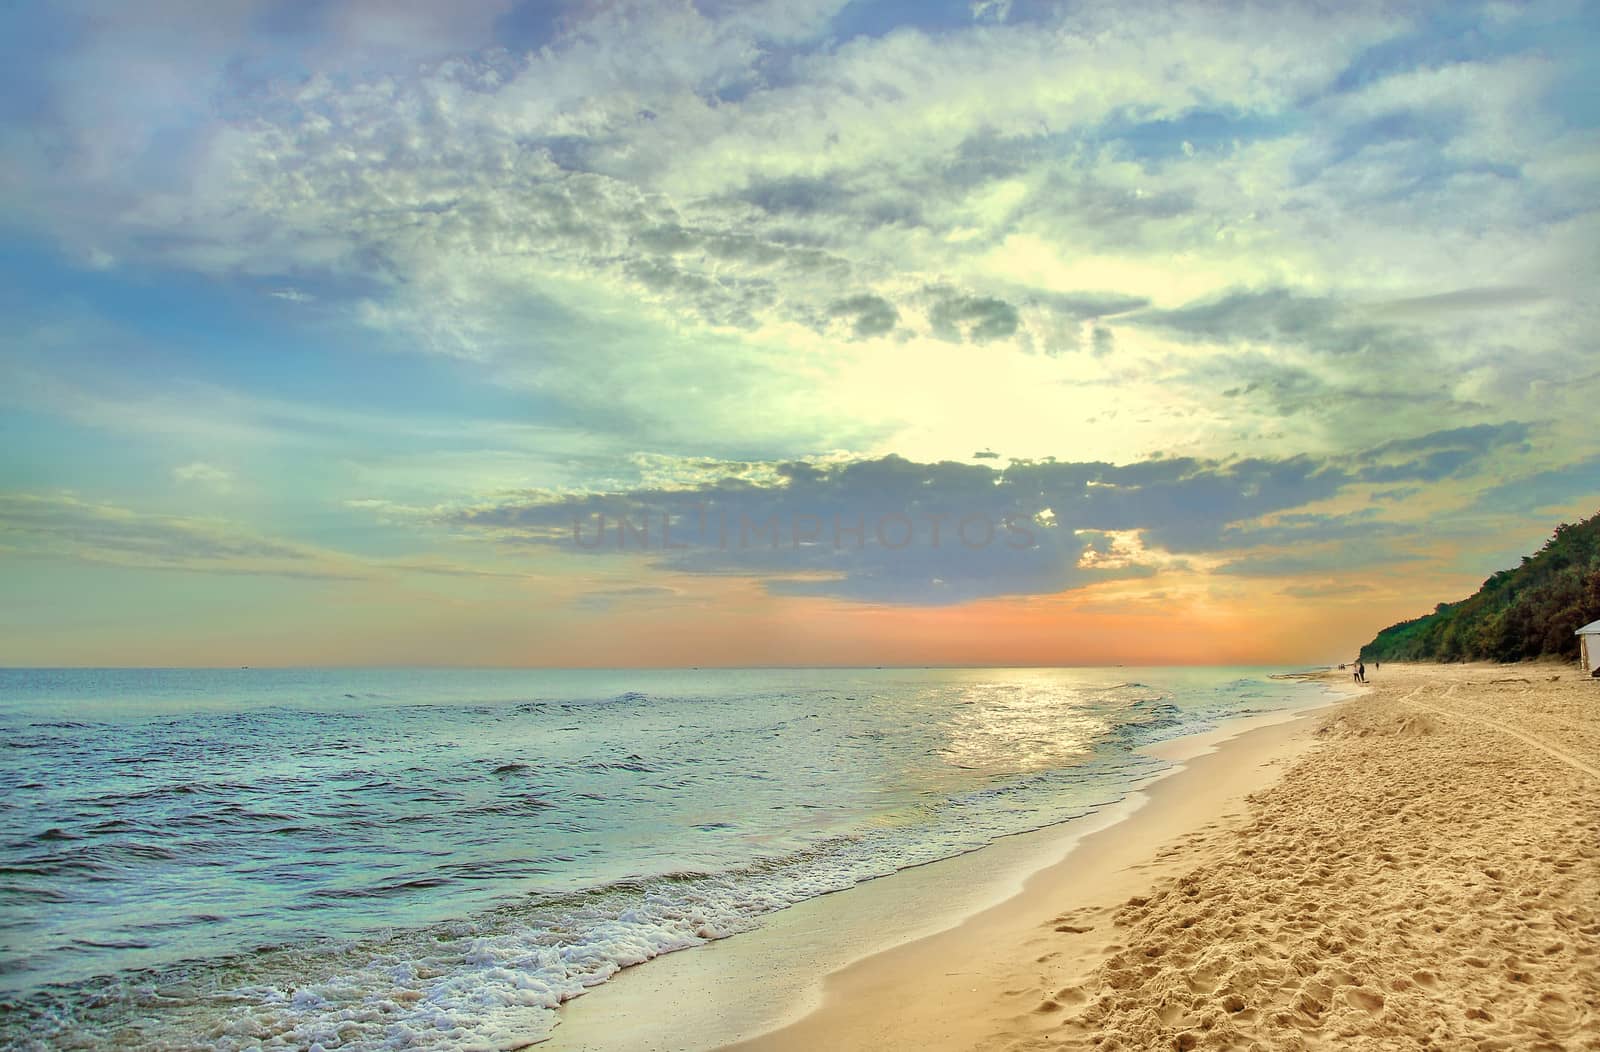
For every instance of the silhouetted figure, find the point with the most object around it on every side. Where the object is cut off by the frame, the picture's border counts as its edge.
(1361, 672)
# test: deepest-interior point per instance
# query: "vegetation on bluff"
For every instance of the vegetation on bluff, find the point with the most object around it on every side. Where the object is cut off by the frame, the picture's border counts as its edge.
(1527, 612)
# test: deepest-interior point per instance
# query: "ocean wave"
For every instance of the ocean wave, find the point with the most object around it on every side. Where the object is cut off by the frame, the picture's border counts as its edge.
(510, 806)
(56, 833)
(567, 838)
(500, 975)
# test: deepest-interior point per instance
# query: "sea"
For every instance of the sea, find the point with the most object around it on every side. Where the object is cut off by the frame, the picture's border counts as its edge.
(439, 858)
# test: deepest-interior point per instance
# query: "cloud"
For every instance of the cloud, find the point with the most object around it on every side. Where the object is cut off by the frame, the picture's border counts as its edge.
(604, 600)
(1277, 316)
(760, 209)
(203, 474)
(63, 526)
(1327, 590)
(991, 10)
(868, 315)
(1490, 298)
(1366, 561)
(1577, 482)
(973, 319)
(893, 530)
(595, 142)
(1101, 342)
(1359, 527)
(1441, 454)
(1477, 438)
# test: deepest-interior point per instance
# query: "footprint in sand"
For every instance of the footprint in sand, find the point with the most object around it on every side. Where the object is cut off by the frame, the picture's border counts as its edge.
(1309, 1006)
(1367, 1000)
(1556, 1012)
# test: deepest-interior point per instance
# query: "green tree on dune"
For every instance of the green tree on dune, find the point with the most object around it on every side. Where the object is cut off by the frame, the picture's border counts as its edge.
(1528, 612)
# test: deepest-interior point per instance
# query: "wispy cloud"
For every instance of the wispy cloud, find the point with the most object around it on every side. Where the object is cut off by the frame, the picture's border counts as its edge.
(200, 473)
(64, 526)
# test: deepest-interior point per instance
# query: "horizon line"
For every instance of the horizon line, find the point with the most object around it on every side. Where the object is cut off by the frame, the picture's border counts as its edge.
(636, 668)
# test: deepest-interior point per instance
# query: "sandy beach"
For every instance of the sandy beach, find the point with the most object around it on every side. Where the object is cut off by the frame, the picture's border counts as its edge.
(1418, 866)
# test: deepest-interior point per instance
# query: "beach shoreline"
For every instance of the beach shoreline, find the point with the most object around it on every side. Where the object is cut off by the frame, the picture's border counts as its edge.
(1421, 868)
(681, 1000)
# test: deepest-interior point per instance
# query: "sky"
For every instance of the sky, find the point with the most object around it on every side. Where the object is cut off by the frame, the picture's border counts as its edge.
(784, 333)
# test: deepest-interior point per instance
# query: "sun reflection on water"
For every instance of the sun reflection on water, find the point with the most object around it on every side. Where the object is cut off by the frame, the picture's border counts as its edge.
(1009, 727)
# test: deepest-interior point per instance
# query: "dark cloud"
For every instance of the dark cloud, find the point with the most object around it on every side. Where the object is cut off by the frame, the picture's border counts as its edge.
(1181, 504)
(1288, 389)
(666, 239)
(1359, 527)
(1557, 487)
(1278, 316)
(1440, 454)
(797, 195)
(1478, 437)
(721, 301)
(1492, 297)
(868, 315)
(976, 319)
(804, 197)
(1101, 342)
(894, 530)
(1089, 304)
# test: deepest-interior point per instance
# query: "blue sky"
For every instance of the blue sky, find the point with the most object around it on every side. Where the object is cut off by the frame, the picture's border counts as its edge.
(312, 308)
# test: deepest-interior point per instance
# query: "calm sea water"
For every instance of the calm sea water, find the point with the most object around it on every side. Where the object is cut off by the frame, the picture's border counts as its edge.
(433, 858)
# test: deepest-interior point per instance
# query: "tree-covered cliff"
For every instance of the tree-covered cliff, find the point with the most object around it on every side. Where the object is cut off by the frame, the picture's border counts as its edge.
(1527, 612)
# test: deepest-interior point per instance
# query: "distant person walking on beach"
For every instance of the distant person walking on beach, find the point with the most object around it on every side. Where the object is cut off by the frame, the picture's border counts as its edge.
(1360, 672)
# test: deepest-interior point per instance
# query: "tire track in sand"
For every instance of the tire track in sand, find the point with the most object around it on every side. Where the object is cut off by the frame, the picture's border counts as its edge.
(1534, 740)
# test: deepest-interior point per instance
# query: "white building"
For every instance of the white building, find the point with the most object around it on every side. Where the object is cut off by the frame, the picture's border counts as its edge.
(1589, 646)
